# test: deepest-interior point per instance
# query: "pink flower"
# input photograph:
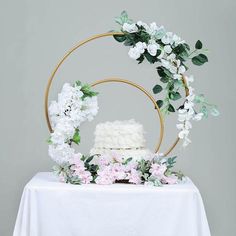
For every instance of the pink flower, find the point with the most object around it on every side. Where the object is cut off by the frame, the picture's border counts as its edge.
(134, 177)
(76, 160)
(116, 157)
(105, 176)
(103, 160)
(158, 170)
(118, 171)
(86, 177)
(170, 179)
(62, 178)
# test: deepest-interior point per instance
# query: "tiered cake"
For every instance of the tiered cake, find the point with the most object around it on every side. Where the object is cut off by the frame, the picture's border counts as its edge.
(125, 138)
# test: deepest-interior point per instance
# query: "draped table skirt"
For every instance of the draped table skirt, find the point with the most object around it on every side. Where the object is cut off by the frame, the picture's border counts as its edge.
(51, 208)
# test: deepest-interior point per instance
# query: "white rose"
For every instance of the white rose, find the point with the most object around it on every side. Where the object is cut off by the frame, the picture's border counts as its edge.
(181, 70)
(134, 53)
(131, 28)
(152, 49)
(167, 49)
(141, 47)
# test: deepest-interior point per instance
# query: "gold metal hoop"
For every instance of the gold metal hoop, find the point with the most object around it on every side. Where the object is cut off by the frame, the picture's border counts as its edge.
(117, 80)
(61, 62)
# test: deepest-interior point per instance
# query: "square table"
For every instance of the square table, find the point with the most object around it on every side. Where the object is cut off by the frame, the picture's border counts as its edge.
(51, 208)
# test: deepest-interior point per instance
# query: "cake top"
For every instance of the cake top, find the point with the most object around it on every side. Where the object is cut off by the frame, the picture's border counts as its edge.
(119, 134)
(124, 125)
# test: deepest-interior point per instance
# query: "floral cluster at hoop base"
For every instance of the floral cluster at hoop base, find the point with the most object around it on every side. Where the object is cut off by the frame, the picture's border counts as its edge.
(106, 170)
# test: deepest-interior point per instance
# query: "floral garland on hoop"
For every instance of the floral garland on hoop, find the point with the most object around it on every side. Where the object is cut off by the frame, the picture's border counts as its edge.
(156, 45)
(76, 104)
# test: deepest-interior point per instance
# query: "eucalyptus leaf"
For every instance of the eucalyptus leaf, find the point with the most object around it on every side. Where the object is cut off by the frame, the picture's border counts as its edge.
(200, 59)
(157, 89)
(164, 79)
(198, 45)
(214, 111)
(174, 95)
(171, 108)
(160, 103)
(119, 38)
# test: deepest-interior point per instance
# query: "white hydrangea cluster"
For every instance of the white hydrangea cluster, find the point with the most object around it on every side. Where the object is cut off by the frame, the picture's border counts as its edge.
(187, 113)
(66, 114)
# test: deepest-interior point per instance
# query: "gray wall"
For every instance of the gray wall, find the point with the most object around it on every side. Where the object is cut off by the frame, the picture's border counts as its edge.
(36, 34)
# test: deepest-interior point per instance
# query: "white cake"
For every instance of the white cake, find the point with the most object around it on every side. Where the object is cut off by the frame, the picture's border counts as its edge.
(125, 138)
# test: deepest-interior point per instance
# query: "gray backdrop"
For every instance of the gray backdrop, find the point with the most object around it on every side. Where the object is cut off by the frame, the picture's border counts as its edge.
(36, 34)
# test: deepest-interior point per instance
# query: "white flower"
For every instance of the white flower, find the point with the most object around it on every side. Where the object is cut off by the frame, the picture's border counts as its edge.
(167, 49)
(171, 57)
(183, 133)
(198, 116)
(130, 28)
(152, 29)
(61, 153)
(181, 70)
(137, 50)
(165, 63)
(177, 76)
(173, 69)
(144, 25)
(141, 46)
(166, 38)
(180, 126)
(152, 49)
(186, 142)
(134, 53)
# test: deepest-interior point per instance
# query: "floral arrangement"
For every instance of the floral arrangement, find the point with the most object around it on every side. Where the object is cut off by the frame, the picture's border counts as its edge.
(156, 45)
(76, 103)
(111, 169)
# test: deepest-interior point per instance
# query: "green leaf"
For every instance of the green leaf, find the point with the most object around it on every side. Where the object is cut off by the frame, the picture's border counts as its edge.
(119, 38)
(78, 83)
(204, 111)
(123, 18)
(89, 159)
(157, 89)
(214, 111)
(49, 141)
(163, 72)
(127, 160)
(140, 59)
(174, 95)
(160, 103)
(199, 98)
(164, 79)
(76, 137)
(186, 46)
(171, 108)
(150, 58)
(198, 45)
(200, 59)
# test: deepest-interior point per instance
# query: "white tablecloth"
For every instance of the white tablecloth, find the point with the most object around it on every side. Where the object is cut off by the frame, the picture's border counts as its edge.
(51, 208)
